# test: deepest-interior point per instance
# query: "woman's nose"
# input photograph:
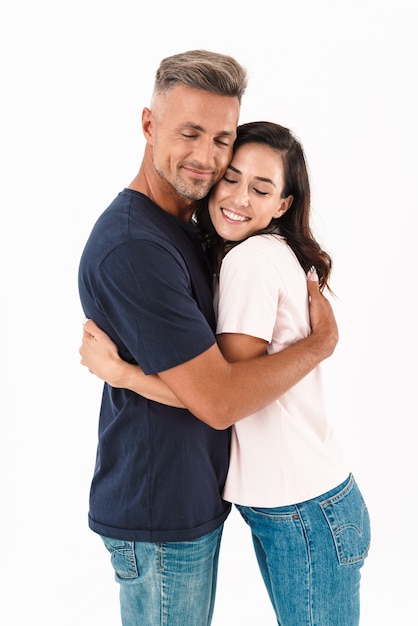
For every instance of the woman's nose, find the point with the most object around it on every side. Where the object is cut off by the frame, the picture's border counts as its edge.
(240, 196)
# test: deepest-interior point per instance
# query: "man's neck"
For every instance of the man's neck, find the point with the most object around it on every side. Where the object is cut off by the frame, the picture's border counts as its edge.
(162, 194)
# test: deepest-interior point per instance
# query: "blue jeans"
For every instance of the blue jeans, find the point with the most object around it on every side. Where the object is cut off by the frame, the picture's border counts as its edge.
(166, 584)
(310, 555)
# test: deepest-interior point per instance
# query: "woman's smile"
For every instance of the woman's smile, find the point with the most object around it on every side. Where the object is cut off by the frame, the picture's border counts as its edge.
(233, 216)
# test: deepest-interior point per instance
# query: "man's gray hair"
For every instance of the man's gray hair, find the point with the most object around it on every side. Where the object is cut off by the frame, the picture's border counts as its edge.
(209, 71)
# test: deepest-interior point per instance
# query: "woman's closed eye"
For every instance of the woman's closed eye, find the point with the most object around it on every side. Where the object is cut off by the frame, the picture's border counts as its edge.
(233, 181)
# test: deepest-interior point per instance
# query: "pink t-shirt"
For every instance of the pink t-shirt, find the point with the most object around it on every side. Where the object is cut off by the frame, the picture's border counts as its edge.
(286, 453)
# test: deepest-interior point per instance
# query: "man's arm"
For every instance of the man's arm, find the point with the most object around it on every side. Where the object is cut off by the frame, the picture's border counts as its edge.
(221, 393)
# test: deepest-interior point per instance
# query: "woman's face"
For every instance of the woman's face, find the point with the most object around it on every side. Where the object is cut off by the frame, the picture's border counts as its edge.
(248, 197)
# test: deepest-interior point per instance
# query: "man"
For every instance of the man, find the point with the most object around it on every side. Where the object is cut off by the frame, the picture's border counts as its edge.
(156, 491)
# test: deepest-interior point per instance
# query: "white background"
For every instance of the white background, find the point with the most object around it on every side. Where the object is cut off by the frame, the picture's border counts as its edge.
(75, 77)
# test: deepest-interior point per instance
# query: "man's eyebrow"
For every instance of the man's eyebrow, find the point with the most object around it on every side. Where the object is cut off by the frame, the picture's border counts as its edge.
(228, 133)
(262, 179)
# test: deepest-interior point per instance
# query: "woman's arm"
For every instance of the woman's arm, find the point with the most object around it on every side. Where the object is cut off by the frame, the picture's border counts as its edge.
(238, 347)
(237, 389)
(100, 355)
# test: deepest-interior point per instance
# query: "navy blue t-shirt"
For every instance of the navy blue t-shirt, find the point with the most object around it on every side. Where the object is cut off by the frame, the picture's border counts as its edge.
(145, 281)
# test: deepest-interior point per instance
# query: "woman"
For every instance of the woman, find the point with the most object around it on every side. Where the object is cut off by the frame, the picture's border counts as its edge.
(287, 474)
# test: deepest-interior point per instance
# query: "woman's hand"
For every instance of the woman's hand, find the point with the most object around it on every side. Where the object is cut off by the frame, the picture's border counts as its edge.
(100, 355)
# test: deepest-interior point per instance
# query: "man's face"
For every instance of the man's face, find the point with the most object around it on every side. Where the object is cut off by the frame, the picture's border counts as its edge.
(192, 134)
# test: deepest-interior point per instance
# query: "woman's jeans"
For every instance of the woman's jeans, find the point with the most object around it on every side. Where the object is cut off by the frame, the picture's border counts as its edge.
(166, 584)
(310, 555)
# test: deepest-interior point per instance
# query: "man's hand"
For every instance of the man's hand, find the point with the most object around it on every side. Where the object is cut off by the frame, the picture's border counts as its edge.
(323, 323)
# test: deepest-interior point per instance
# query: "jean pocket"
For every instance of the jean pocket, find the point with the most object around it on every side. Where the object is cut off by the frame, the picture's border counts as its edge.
(122, 554)
(348, 518)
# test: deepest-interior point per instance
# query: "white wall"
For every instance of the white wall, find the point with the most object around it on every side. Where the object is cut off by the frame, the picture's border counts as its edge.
(75, 76)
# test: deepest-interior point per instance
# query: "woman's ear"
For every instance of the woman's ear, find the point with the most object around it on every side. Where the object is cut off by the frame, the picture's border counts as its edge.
(285, 204)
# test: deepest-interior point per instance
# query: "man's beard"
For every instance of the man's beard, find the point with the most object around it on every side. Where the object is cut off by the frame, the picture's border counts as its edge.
(188, 189)
(195, 190)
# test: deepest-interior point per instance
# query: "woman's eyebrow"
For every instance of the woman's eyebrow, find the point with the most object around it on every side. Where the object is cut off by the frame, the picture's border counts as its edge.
(260, 178)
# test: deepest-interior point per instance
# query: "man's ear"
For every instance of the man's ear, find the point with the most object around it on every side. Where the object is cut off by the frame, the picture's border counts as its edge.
(285, 204)
(147, 124)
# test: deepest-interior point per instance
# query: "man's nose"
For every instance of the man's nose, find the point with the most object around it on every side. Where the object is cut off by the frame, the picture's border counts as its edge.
(204, 152)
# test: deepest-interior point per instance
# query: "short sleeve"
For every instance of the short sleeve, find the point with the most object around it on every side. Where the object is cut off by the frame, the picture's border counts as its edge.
(146, 292)
(249, 287)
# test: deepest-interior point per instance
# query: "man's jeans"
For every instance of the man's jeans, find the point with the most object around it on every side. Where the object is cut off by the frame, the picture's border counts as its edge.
(310, 555)
(166, 584)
